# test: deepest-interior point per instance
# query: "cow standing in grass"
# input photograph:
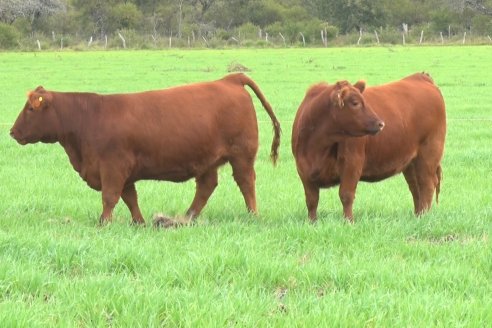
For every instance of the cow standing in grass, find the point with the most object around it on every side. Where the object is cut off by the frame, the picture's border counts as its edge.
(175, 134)
(338, 138)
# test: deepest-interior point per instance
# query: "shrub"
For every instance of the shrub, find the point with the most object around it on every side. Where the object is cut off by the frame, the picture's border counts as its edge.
(482, 25)
(9, 36)
(331, 31)
(248, 31)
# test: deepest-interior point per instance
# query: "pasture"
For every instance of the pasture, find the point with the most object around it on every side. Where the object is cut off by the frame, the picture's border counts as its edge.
(390, 269)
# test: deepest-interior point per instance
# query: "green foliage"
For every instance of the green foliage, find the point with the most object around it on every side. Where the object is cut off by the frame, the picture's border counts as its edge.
(330, 30)
(262, 13)
(126, 16)
(248, 31)
(482, 24)
(8, 36)
(442, 20)
(221, 20)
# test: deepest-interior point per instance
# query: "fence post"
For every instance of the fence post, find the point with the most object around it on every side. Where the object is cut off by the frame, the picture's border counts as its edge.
(377, 37)
(464, 37)
(360, 36)
(303, 39)
(283, 39)
(403, 36)
(442, 39)
(122, 40)
(90, 42)
(206, 42)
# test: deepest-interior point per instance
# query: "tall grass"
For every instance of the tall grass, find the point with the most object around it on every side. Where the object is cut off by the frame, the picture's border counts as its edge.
(58, 268)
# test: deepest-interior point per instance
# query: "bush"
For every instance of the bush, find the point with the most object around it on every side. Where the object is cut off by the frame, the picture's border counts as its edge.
(331, 31)
(9, 36)
(126, 16)
(248, 31)
(482, 25)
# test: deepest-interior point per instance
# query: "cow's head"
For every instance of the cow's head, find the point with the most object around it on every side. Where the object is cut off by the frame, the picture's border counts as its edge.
(37, 121)
(349, 111)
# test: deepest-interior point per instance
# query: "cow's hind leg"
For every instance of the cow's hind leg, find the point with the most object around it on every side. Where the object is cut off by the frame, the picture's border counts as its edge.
(205, 185)
(245, 176)
(410, 174)
(129, 196)
(312, 199)
(428, 171)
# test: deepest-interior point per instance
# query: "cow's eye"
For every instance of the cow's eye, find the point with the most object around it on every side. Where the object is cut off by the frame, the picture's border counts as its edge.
(31, 109)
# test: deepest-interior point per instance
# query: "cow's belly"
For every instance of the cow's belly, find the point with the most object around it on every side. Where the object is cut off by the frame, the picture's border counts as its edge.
(176, 169)
(382, 169)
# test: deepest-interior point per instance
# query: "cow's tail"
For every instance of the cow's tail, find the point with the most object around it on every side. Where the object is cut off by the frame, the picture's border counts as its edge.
(276, 125)
(438, 184)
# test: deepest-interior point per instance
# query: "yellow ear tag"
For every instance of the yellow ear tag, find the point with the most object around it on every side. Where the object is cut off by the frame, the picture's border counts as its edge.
(40, 99)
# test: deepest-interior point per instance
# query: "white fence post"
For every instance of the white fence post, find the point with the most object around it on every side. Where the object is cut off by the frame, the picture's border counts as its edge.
(283, 39)
(303, 39)
(122, 40)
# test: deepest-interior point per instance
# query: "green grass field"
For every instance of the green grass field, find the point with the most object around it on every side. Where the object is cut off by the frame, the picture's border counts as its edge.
(389, 269)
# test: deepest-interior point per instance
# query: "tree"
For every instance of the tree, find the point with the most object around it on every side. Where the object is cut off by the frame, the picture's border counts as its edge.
(479, 5)
(94, 15)
(125, 16)
(10, 10)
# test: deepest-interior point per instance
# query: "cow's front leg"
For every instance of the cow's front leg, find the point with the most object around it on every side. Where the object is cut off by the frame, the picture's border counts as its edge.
(112, 181)
(348, 184)
(347, 196)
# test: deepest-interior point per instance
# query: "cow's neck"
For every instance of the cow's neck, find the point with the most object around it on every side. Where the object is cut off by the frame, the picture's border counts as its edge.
(73, 111)
(318, 134)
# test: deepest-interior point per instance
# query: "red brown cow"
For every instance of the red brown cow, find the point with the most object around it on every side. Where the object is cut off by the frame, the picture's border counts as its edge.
(332, 138)
(175, 134)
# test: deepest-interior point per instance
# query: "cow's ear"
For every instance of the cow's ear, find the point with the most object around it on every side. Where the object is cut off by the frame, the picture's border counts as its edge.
(341, 96)
(38, 99)
(361, 85)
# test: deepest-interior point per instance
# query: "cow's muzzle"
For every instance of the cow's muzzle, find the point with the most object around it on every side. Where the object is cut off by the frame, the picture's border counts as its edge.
(16, 137)
(377, 127)
(12, 134)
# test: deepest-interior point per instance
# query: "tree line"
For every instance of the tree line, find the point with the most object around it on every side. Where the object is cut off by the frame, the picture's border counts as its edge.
(181, 23)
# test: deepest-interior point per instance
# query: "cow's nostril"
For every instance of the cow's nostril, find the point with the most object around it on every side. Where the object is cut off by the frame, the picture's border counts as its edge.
(381, 125)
